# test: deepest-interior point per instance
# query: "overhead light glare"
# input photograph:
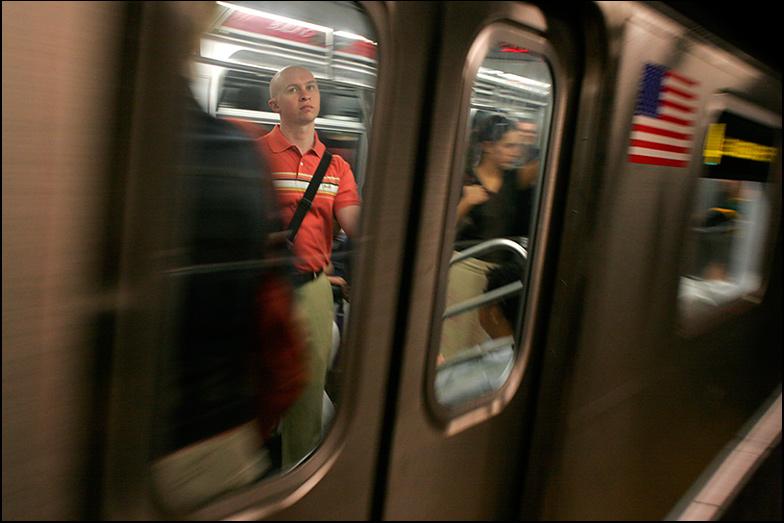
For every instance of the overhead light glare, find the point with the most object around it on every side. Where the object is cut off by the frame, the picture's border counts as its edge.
(278, 18)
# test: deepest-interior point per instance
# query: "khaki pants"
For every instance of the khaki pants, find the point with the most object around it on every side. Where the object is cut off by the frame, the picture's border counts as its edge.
(467, 279)
(301, 424)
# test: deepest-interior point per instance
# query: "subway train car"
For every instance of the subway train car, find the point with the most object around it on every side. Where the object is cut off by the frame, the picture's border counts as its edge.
(626, 367)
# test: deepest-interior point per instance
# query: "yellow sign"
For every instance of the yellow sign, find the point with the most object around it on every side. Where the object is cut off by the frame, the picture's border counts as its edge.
(717, 145)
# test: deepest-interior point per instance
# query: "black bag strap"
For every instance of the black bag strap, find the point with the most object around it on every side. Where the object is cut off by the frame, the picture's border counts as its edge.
(307, 199)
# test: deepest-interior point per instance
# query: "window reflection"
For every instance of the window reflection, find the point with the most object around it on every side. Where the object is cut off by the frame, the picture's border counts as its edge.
(728, 237)
(243, 391)
(731, 215)
(510, 109)
(484, 366)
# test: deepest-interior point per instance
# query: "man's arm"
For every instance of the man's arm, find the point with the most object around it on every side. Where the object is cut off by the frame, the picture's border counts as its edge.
(348, 218)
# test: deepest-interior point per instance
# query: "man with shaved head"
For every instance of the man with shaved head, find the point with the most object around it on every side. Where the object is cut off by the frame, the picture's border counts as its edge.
(293, 151)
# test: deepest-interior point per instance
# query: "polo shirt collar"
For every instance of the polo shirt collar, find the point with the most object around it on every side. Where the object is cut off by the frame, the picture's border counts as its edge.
(278, 143)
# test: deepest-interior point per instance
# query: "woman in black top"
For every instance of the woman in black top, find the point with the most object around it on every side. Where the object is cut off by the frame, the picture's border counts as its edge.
(497, 192)
(496, 202)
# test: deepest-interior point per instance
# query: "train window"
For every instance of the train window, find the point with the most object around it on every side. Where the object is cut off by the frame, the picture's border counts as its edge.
(231, 412)
(728, 236)
(511, 103)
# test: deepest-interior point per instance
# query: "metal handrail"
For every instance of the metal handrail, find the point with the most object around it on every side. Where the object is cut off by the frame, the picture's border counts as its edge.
(486, 246)
(495, 294)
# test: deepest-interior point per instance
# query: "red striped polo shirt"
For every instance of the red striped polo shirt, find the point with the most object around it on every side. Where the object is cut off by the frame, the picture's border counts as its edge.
(291, 174)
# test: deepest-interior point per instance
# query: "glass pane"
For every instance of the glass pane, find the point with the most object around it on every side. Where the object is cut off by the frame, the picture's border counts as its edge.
(496, 216)
(249, 385)
(731, 217)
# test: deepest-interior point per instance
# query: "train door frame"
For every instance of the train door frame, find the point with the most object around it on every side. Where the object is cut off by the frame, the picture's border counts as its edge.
(419, 435)
(350, 450)
(577, 193)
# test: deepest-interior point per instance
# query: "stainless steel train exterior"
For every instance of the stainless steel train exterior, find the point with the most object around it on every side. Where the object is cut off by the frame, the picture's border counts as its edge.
(637, 390)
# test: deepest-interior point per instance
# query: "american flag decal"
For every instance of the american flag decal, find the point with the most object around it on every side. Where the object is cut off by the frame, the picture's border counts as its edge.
(663, 122)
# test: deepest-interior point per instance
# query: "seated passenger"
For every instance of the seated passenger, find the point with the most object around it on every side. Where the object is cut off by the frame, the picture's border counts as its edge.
(721, 228)
(484, 367)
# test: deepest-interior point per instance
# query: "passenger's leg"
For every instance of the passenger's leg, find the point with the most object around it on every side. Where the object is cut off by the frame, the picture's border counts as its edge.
(301, 425)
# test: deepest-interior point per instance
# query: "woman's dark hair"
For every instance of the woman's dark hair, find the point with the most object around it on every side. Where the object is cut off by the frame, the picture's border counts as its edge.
(487, 128)
(493, 128)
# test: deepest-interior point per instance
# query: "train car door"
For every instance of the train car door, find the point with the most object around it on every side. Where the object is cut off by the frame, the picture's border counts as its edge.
(408, 441)
(339, 479)
(454, 436)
